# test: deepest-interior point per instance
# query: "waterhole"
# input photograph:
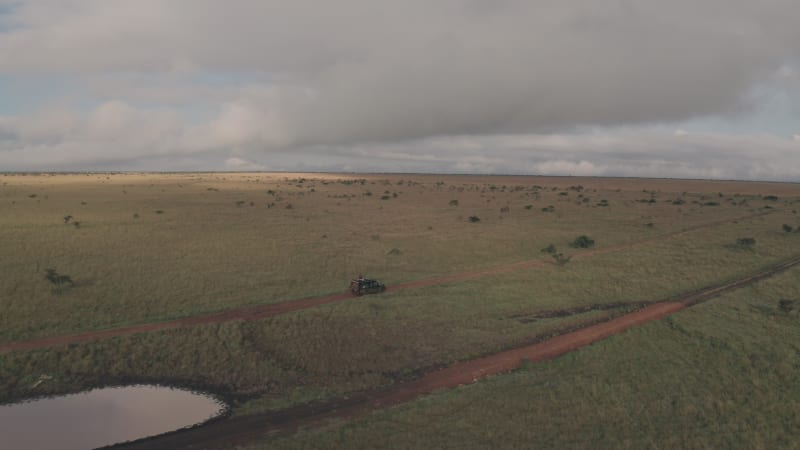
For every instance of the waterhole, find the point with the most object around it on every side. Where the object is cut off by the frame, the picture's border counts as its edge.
(102, 417)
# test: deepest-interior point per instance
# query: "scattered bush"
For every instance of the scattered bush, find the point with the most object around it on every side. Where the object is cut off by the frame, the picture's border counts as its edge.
(603, 202)
(549, 208)
(453, 203)
(786, 305)
(474, 219)
(394, 252)
(772, 198)
(551, 249)
(528, 206)
(505, 209)
(582, 241)
(787, 228)
(745, 242)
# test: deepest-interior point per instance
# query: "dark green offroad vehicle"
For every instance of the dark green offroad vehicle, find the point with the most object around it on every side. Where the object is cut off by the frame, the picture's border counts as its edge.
(362, 286)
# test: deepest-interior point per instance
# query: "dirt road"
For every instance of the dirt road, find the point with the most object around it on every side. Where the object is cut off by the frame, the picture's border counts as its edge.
(243, 429)
(264, 311)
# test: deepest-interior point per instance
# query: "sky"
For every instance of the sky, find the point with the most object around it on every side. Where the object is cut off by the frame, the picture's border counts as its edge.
(681, 89)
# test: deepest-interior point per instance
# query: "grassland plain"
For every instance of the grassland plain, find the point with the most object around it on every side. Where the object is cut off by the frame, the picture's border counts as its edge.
(722, 374)
(210, 250)
(151, 247)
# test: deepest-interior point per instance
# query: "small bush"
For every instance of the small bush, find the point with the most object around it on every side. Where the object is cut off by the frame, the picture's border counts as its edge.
(551, 249)
(786, 305)
(474, 219)
(772, 198)
(528, 206)
(453, 203)
(745, 242)
(550, 208)
(787, 228)
(394, 252)
(582, 241)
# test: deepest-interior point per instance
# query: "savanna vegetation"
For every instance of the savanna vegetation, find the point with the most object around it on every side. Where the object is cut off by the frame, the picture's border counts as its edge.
(156, 247)
(724, 374)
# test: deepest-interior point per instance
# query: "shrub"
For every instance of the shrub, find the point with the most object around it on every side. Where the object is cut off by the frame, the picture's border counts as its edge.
(453, 203)
(771, 198)
(550, 208)
(582, 241)
(787, 228)
(551, 249)
(474, 219)
(528, 206)
(786, 305)
(745, 242)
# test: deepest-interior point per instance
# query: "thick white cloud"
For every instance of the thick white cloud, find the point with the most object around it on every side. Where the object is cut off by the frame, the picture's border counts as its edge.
(289, 78)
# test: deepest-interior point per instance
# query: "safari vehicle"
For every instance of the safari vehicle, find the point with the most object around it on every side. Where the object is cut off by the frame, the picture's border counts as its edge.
(362, 286)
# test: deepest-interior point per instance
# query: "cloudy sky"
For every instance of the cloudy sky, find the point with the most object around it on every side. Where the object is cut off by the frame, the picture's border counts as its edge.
(685, 88)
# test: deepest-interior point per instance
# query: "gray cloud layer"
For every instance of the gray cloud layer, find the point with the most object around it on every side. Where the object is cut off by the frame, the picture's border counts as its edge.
(342, 74)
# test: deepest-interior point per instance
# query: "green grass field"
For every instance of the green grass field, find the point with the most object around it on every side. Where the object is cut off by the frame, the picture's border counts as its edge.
(724, 374)
(210, 250)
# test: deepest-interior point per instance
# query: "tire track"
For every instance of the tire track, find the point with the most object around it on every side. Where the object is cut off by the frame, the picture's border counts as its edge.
(259, 312)
(225, 432)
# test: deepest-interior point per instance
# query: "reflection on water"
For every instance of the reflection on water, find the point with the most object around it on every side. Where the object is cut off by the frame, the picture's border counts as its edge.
(101, 417)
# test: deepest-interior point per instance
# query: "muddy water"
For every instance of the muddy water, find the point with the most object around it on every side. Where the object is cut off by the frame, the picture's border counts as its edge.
(101, 417)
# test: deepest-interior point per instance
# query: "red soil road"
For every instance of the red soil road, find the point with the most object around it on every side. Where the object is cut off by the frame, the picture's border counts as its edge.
(225, 432)
(264, 311)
